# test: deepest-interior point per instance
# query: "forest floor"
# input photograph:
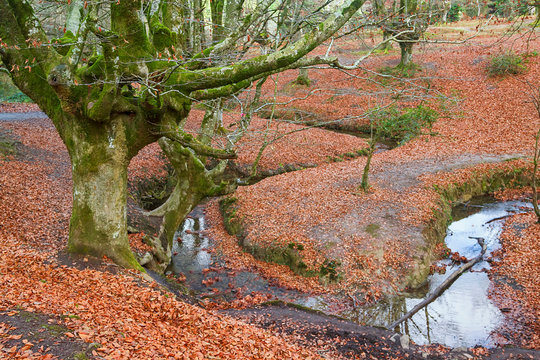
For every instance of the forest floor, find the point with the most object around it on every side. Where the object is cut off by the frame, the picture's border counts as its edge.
(53, 305)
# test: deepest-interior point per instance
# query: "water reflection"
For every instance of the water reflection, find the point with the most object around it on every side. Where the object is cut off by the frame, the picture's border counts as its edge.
(462, 316)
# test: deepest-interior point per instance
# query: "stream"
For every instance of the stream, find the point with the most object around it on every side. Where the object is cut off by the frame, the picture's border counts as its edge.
(463, 316)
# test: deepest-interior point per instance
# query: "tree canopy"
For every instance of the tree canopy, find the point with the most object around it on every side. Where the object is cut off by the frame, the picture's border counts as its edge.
(115, 76)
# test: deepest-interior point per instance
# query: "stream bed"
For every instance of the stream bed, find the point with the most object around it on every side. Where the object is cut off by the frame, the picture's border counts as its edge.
(463, 316)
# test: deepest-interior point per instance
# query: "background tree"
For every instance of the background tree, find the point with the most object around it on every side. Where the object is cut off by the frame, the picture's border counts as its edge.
(404, 21)
(124, 74)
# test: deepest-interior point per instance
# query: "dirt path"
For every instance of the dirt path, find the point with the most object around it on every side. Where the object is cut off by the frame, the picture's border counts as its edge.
(352, 341)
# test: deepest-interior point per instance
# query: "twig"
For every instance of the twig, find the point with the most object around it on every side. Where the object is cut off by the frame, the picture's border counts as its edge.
(499, 218)
(445, 284)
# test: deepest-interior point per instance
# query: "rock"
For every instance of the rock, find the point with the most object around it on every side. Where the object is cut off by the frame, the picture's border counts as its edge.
(145, 259)
(394, 337)
(94, 345)
(132, 230)
(405, 341)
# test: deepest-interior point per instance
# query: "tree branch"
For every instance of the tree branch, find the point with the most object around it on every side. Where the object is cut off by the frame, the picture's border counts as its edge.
(174, 133)
(445, 285)
(221, 76)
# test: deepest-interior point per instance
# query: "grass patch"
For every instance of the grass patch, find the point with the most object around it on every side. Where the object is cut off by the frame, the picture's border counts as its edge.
(8, 146)
(373, 229)
(403, 125)
(9, 92)
(406, 71)
(506, 64)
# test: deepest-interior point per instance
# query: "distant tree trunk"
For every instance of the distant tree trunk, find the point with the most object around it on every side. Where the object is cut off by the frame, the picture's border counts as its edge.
(386, 45)
(232, 14)
(198, 32)
(380, 11)
(303, 77)
(216, 8)
(406, 53)
(371, 150)
(408, 9)
(73, 17)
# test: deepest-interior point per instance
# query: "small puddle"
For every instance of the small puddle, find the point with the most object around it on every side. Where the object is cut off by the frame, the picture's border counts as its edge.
(206, 273)
(462, 316)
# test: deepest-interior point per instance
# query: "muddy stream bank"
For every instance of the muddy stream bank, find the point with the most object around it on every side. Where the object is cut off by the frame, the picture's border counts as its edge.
(463, 316)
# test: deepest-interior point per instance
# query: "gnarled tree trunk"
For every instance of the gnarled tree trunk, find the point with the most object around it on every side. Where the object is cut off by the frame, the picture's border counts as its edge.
(100, 156)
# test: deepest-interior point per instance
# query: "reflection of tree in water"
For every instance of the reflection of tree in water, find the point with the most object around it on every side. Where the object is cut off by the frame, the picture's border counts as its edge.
(385, 311)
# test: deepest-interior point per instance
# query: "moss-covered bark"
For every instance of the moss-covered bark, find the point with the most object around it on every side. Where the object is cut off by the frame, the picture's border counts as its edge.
(99, 156)
(406, 54)
(193, 183)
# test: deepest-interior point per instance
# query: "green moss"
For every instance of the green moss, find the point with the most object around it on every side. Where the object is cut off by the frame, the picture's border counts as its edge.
(506, 64)
(63, 45)
(8, 147)
(162, 36)
(55, 330)
(94, 70)
(373, 229)
(228, 207)
(9, 92)
(400, 71)
(28, 316)
(328, 270)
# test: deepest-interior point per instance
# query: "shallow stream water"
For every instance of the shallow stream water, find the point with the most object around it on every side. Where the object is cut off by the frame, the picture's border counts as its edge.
(462, 316)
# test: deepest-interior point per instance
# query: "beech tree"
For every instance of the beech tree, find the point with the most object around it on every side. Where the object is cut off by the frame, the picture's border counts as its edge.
(123, 75)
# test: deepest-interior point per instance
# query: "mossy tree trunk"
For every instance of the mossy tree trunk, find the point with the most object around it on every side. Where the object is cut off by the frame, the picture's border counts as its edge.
(381, 13)
(100, 157)
(406, 54)
(122, 96)
(303, 77)
(216, 8)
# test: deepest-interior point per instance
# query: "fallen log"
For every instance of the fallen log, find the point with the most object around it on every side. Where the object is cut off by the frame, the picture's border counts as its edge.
(444, 285)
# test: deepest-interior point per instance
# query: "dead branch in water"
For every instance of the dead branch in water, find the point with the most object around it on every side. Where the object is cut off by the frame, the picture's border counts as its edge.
(445, 284)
